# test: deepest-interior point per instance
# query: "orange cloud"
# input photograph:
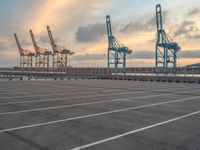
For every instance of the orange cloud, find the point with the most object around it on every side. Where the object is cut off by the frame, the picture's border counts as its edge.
(59, 12)
(49, 13)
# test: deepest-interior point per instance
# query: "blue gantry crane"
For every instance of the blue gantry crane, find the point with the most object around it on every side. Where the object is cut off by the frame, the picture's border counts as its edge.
(166, 49)
(116, 52)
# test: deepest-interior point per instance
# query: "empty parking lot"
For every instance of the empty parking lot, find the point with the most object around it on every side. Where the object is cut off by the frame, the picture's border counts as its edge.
(99, 114)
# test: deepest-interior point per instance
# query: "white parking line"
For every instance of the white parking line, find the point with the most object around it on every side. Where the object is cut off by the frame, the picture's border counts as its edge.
(48, 90)
(50, 87)
(135, 131)
(48, 94)
(174, 89)
(6, 89)
(97, 114)
(2, 91)
(81, 104)
(62, 99)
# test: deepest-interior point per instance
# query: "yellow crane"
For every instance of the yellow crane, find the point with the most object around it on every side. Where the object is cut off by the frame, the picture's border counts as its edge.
(42, 54)
(26, 56)
(60, 54)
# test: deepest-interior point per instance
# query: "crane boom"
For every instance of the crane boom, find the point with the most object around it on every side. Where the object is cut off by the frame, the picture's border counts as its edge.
(34, 42)
(159, 22)
(18, 44)
(109, 32)
(109, 26)
(51, 38)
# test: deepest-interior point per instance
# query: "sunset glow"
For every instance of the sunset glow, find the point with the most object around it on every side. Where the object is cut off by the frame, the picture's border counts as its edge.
(80, 26)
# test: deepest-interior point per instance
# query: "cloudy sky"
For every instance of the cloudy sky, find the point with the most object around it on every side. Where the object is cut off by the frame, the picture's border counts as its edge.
(79, 25)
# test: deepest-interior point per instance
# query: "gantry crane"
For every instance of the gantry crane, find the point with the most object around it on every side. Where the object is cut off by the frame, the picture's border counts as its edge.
(42, 55)
(60, 54)
(166, 49)
(116, 52)
(26, 56)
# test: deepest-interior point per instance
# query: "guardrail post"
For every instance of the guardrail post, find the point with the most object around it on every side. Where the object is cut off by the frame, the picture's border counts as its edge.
(135, 71)
(146, 72)
(185, 72)
(171, 73)
(192, 72)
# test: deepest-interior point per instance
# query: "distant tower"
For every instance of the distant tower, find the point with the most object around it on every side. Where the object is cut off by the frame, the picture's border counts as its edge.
(166, 49)
(26, 56)
(42, 55)
(116, 51)
(60, 54)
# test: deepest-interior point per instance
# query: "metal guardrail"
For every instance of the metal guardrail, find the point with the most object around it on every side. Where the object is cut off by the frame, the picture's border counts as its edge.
(35, 75)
